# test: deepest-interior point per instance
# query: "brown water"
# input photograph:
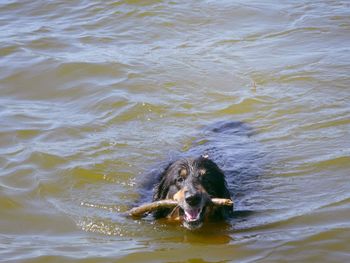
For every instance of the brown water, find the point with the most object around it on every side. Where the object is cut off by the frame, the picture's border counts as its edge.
(94, 93)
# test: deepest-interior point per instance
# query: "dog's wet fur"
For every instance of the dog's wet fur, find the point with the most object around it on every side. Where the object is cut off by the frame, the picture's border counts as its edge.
(192, 182)
(194, 177)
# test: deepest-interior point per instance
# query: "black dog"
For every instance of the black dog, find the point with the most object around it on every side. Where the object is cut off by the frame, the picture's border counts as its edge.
(193, 182)
(194, 177)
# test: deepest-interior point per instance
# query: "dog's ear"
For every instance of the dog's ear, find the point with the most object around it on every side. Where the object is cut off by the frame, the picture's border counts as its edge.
(214, 181)
(161, 189)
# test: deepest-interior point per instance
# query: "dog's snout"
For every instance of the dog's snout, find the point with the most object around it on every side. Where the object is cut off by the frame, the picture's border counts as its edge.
(192, 199)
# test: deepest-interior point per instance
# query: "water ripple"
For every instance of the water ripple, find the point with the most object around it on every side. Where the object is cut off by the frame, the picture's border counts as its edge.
(95, 93)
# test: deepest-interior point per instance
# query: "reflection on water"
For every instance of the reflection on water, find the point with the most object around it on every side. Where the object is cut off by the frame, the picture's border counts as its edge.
(95, 94)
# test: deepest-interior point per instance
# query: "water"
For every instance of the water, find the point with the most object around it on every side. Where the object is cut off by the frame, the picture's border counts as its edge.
(95, 93)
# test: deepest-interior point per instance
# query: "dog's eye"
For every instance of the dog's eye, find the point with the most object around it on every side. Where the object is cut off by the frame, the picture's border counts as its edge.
(180, 180)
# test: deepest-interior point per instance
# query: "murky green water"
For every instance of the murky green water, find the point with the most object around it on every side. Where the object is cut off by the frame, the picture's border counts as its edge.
(94, 93)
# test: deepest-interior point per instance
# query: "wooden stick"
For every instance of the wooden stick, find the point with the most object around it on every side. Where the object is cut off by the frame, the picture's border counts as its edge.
(222, 202)
(150, 207)
(168, 203)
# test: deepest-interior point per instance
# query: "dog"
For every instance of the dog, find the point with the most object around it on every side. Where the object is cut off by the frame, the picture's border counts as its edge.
(192, 182)
(193, 177)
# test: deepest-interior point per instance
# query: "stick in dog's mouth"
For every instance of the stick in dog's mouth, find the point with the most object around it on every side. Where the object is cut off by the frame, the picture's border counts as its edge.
(169, 203)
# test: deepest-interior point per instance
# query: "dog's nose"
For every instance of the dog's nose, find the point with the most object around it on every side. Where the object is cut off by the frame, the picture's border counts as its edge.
(192, 199)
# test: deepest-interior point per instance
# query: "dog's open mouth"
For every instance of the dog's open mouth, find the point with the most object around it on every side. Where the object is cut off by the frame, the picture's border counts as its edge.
(192, 214)
(193, 217)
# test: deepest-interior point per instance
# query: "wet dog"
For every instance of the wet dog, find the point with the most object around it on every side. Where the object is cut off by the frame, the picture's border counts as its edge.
(192, 182)
(193, 177)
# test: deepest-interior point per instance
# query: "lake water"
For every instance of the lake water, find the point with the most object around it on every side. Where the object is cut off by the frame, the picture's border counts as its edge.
(95, 93)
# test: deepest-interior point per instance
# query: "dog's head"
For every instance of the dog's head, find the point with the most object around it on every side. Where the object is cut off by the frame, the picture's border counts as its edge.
(192, 182)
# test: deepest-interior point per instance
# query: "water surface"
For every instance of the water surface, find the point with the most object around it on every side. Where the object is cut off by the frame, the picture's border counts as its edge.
(95, 93)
